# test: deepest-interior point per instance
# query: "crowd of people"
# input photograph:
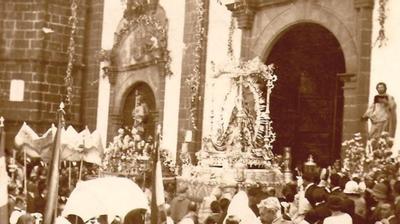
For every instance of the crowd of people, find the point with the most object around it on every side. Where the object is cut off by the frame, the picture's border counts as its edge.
(28, 201)
(313, 199)
(326, 196)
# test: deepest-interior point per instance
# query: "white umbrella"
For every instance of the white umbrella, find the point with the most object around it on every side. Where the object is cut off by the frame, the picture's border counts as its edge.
(112, 196)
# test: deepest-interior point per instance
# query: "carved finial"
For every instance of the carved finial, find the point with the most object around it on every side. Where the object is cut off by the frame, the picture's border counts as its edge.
(62, 106)
(1, 121)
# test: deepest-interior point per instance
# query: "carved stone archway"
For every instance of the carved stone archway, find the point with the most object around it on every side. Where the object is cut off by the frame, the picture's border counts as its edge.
(139, 56)
(264, 22)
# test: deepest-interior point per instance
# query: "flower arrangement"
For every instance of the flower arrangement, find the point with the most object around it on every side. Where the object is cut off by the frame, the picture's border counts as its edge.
(373, 160)
(355, 155)
(131, 156)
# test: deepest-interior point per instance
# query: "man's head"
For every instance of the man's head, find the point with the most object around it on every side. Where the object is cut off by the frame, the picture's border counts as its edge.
(381, 87)
(215, 207)
(20, 202)
(270, 209)
(192, 206)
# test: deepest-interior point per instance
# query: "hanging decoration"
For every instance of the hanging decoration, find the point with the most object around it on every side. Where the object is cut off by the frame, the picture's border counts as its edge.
(73, 21)
(230, 37)
(193, 79)
(381, 39)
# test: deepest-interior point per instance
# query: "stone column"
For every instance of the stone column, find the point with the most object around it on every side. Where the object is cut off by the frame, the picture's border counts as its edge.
(244, 13)
(188, 63)
(356, 89)
(115, 122)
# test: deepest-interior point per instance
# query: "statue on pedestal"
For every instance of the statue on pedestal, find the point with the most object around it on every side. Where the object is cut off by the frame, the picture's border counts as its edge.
(140, 115)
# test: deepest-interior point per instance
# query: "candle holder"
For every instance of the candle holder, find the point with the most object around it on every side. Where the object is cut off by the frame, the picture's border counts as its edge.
(310, 166)
(287, 163)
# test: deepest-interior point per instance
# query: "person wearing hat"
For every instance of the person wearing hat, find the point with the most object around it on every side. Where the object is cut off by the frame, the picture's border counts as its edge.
(270, 212)
(335, 204)
(383, 208)
(353, 192)
(180, 204)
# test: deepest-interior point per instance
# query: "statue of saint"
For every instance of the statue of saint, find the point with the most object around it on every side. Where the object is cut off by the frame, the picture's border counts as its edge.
(139, 115)
(382, 113)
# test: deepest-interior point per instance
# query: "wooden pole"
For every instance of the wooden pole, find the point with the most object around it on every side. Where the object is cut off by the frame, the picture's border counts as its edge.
(80, 169)
(52, 197)
(3, 175)
(69, 175)
(25, 178)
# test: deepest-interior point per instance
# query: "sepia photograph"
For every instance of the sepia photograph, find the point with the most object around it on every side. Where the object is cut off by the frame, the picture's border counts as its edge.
(199, 111)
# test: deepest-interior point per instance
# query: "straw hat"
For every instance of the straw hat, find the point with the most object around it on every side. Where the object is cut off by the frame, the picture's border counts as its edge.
(380, 191)
(351, 187)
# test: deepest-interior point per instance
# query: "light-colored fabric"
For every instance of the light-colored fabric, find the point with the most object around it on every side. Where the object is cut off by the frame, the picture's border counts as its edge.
(303, 204)
(186, 221)
(160, 198)
(15, 215)
(338, 218)
(239, 207)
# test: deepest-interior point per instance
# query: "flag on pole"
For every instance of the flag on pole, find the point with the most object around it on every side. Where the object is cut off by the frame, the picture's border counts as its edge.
(159, 185)
(53, 178)
(3, 176)
(157, 198)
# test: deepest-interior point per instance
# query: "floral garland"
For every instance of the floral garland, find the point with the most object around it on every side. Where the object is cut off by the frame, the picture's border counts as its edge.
(382, 39)
(193, 79)
(160, 33)
(373, 160)
(230, 37)
(73, 20)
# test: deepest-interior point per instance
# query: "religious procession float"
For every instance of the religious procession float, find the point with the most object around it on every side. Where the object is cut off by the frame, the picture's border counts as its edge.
(240, 154)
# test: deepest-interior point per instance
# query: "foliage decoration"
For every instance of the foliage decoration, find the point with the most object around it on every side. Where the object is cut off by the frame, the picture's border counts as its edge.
(73, 21)
(382, 39)
(193, 79)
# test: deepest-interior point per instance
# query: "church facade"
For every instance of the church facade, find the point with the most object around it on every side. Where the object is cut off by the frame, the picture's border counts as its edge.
(167, 52)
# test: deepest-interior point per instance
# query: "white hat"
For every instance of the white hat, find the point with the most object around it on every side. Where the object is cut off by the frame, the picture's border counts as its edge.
(351, 187)
(270, 202)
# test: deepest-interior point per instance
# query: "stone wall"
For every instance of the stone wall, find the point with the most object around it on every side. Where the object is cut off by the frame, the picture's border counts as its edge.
(350, 22)
(40, 59)
(189, 38)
